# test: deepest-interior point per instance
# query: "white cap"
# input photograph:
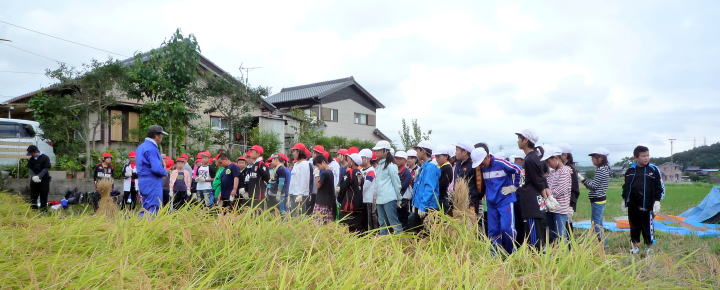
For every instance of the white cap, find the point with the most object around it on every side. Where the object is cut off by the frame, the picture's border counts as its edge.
(550, 151)
(392, 151)
(565, 148)
(412, 153)
(440, 150)
(465, 146)
(366, 153)
(401, 154)
(529, 134)
(356, 158)
(424, 144)
(382, 144)
(477, 156)
(599, 151)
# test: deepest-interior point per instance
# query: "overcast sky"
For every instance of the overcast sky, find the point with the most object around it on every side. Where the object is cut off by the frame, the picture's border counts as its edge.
(608, 73)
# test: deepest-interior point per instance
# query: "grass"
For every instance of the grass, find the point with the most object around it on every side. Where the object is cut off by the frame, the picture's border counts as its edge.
(193, 248)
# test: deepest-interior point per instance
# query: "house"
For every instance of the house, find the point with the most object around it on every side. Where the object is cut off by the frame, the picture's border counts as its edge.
(693, 169)
(118, 134)
(343, 106)
(618, 170)
(671, 172)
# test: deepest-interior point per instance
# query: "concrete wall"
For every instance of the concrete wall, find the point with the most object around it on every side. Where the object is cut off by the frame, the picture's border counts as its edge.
(345, 126)
(57, 187)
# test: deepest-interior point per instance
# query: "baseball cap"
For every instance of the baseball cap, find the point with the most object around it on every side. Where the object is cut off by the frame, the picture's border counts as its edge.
(157, 129)
(565, 148)
(599, 151)
(106, 155)
(551, 151)
(257, 149)
(477, 156)
(132, 154)
(412, 153)
(425, 144)
(298, 146)
(465, 146)
(441, 150)
(353, 149)
(181, 159)
(32, 149)
(529, 134)
(281, 156)
(356, 158)
(367, 153)
(319, 148)
(401, 154)
(342, 152)
(382, 144)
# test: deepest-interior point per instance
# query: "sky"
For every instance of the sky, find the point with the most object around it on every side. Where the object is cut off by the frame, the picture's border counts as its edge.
(610, 74)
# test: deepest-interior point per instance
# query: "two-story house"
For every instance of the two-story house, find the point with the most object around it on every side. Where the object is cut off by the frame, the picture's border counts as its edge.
(345, 108)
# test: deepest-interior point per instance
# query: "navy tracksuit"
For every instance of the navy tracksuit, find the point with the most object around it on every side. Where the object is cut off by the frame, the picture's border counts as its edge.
(501, 215)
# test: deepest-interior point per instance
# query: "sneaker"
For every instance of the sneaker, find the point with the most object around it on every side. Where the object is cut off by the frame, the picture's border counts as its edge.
(649, 251)
(635, 250)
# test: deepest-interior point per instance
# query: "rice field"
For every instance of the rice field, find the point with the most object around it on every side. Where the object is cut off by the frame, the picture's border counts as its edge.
(196, 248)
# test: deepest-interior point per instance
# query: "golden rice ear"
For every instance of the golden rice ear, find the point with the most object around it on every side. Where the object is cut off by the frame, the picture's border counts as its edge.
(107, 206)
(461, 202)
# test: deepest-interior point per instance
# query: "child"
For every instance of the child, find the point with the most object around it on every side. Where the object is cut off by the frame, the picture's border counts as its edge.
(130, 187)
(560, 183)
(279, 180)
(179, 183)
(300, 180)
(369, 189)
(401, 159)
(387, 189)
(442, 155)
(529, 195)
(325, 209)
(425, 195)
(218, 175)
(598, 187)
(350, 195)
(642, 192)
(203, 180)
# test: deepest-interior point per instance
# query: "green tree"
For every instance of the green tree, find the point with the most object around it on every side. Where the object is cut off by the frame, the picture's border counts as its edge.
(166, 79)
(625, 162)
(308, 129)
(413, 134)
(270, 141)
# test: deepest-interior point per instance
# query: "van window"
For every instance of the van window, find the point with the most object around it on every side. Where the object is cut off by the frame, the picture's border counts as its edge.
(8, 130)
(26, 131)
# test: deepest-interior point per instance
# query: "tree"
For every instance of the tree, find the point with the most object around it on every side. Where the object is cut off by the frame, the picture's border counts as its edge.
(308, 128)
(234, 98)
(412, 135)
(87, 96)
(166, 79)
(270, 141)
(625, 162)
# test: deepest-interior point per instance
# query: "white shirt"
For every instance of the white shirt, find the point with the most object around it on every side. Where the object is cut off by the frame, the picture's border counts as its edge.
(127, 180)
(300, 179)
(204, 173)
(335, 168)
(369, 186)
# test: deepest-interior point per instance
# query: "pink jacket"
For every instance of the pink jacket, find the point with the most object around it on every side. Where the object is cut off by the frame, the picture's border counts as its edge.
(174, 175)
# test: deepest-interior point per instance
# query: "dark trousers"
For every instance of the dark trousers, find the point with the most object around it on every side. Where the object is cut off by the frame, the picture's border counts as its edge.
(39, 190)
(372, 220)
(354, 221)
(404, 212)
(641, 222)
(533, 232)
(179, 199)
(132, 196)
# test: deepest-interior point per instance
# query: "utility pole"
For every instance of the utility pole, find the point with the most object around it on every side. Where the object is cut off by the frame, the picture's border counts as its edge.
(672, 140)
(694, 139)
(704, 141)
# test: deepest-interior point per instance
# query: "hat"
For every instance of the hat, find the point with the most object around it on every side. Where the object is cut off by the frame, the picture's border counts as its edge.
(599, 151)
(366, 153)
(356, 158)
(451, 151)
(529, 134)
(106, 155)
(477, 156)
(298, 146)
(258, 149)
(32, 149)
(342, 152)
(550, 151)
(441, 150)
(184, 155)
(200, 155)
(325, 154)
(412, 153)
(157, 129)
(319, 148)
(565, 148)
(169, 163)
(181, 159)
(241, 157)
(425, 144)
(465, 146)
(281, 157)
(307, 152)
(353, 149)
(401, 154)
(132, 154)
(382, 144)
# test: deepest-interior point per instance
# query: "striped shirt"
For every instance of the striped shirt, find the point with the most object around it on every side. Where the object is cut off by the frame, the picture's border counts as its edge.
(598, 186)
(560, 183)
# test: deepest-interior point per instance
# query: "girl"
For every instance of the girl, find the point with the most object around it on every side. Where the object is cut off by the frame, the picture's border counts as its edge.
(388, 189)
(598, 188)
(560, 182)
(350, 195)
(179, 184)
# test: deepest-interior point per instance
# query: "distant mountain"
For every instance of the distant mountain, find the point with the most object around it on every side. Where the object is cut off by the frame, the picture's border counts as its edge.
(703, 156)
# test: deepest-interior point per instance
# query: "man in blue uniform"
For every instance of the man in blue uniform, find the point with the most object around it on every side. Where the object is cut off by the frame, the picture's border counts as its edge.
(151, 170)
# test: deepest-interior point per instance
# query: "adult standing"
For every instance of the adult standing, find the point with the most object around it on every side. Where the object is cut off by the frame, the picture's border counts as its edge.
(150, 169)
(38, 166)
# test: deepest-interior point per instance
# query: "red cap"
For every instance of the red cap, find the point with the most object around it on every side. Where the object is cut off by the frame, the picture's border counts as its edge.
(343, 152)
(283, 157)
(374, 156)
(353, 150)
(247, 154)
(181, 159)
(106, 155)
(319, 148)
(307, 152)
(184, 155)
(169, 163)
(298, 146)
(202, 154)
(326, 154)
(131, 154)
(241, 157)
(257, 149)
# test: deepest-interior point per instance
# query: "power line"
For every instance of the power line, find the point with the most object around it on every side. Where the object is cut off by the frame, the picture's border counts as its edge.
(63, 39)
(21, 72)
(34, 53)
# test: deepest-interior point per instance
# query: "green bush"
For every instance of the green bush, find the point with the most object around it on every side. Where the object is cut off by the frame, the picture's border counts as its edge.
(118, 161)
(270, 141)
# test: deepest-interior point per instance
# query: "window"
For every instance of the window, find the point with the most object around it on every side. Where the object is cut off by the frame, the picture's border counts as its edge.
(361, 119)
(8, 131)
(330, 115)
(217, 123)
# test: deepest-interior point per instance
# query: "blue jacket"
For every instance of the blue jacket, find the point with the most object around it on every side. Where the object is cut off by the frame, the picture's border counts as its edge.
(149, 161)
(499, 174)
(426, 187)
(388, 183)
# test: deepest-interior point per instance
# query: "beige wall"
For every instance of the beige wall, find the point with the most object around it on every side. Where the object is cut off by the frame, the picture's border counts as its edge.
(345, 126)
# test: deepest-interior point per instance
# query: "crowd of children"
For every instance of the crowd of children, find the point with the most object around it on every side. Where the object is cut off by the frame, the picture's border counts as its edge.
(520, 198)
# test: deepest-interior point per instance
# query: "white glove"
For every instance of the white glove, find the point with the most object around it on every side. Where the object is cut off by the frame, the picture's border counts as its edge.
(172, 194)
(199, 179)
(243, 193)
(232, 198)
(128, 173)
(508, 189)
(570, 215)
(36, 179)
(298, 199)
(656, 207)
(422, 214)
(580, 177)
(337, 189)
(316, 173)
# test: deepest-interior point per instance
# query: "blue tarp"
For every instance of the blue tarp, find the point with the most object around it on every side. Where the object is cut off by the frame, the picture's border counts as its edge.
(662, 226)
(708, 208)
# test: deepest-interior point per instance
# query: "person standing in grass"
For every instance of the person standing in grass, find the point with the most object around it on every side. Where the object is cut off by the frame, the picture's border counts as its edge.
(567, 159)
(130, 186)
(300, 180)
(642, 192)
(369, 188)
(217, 180)
(560, 182)
(325, 209)
(405, 187)
(204, 179)
(229, 181)
(38, 169)
(598, 188)
(442, 155)
(530, 195)
(180, 179)
(150, 170)
(279, 184)
(426, 188)
(350, 195)
(388, 189)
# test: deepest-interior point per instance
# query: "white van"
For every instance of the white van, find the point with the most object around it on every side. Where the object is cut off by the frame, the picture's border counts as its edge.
(16, 135)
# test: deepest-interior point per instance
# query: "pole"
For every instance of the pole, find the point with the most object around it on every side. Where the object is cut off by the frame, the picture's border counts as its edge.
(671, 149)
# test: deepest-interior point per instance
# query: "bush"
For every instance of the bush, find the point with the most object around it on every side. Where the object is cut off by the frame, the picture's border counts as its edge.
(270, 141)
(118, 161)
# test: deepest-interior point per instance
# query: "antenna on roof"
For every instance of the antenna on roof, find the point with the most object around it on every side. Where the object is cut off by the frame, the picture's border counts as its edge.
(8, 40)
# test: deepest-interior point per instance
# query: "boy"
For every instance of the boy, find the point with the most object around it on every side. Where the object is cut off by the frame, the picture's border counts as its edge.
(38, 167)
(257, 175)
(130, 186)
(405, 189)
(426, 187)
(103, 170)
(179, 184)
(369, 188)
(530, 195)
(279, 180)
(229, 181)
(464, 170)
(642, 192)
(203, 180)
(442, 155)
(325, 208)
